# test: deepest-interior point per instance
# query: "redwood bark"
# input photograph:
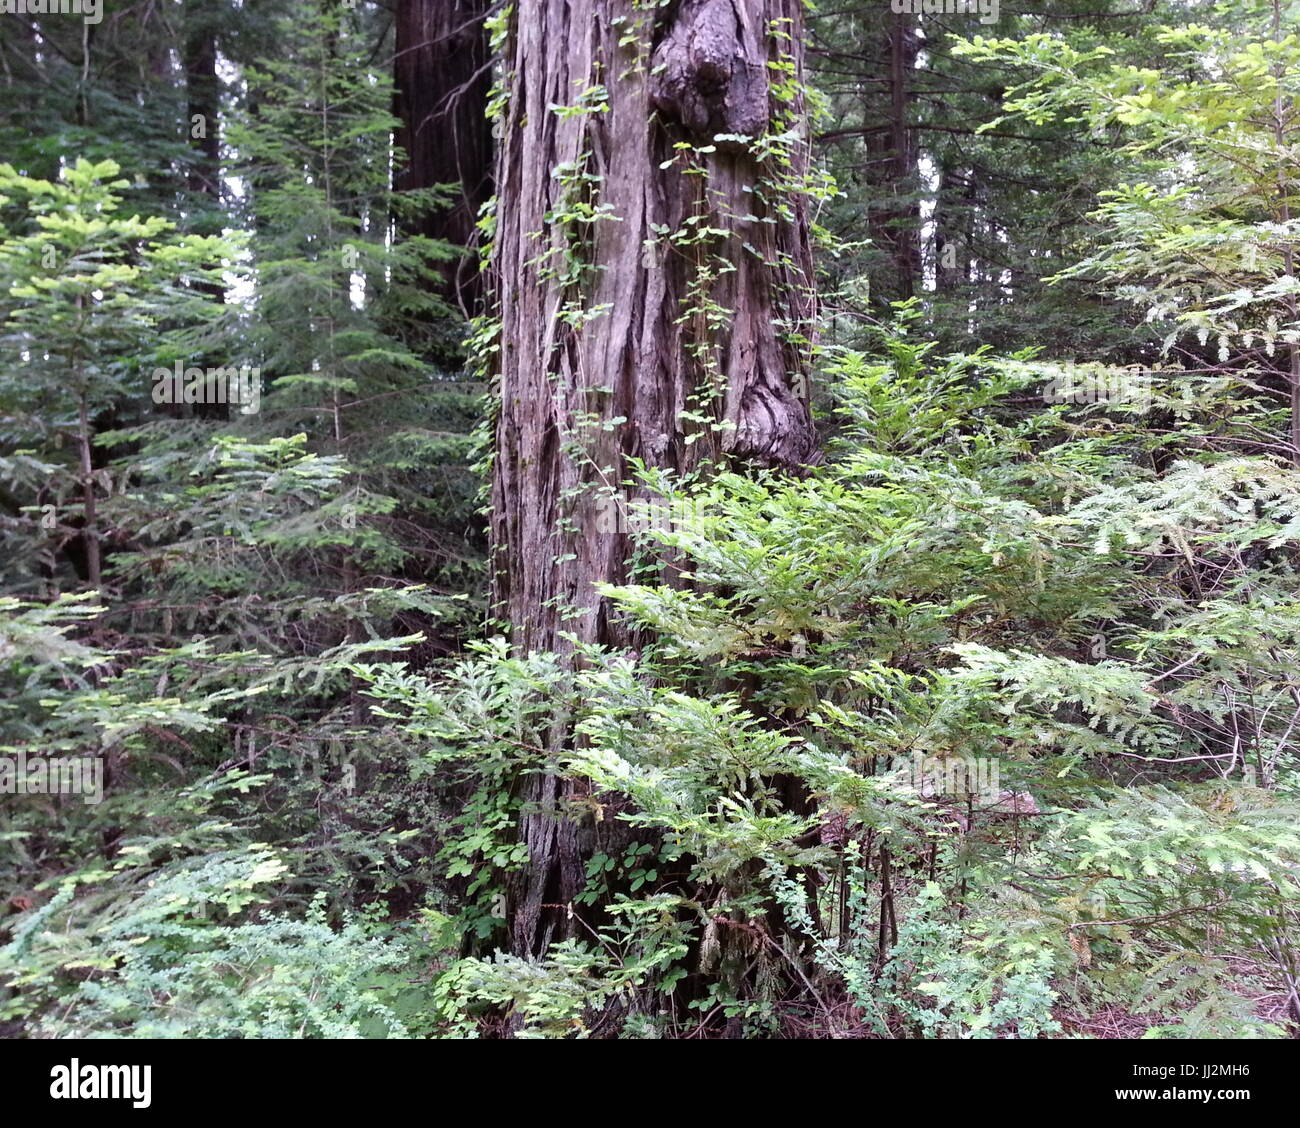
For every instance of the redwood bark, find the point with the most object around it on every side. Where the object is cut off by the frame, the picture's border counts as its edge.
(442, 77)
(611, 330)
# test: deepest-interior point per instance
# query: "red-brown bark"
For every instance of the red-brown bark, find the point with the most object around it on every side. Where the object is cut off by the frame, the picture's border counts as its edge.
(442, 76)
(613, 327)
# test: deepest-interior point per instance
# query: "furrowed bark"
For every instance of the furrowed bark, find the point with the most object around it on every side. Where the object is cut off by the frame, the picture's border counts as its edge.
(442, 75)
(620, 337)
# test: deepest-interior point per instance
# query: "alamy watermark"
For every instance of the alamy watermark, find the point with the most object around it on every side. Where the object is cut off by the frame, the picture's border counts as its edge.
(952, 776)
(613, 512)
(76, 1081)
(310, 758)
(21, 774)
(1131, 385)
(91, 11)
(229, 385)
(987, 10)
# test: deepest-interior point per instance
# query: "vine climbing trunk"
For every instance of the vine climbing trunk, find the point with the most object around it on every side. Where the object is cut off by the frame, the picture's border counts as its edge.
(652, 278)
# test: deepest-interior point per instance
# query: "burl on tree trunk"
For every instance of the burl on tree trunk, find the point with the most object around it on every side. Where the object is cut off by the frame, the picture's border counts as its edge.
(652, 274)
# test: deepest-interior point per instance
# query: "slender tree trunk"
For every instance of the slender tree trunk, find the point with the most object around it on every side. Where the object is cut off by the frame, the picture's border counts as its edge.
(202, 95)
(203, 124)
(90, 520)
(896, 211)
(1282, 113)
(442, 74)
(655, 303)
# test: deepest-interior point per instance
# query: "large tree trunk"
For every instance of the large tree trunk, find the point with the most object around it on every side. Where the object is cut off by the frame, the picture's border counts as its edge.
(442, 77)
(648, 294)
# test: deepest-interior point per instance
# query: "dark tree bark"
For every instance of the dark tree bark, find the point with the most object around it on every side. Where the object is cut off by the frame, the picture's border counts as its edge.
(203, 128)
(443, 77)
(202, 95)
(624, 333)
(895, 214)
(954, 217)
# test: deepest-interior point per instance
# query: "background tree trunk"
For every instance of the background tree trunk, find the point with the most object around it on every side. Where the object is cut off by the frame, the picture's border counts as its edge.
(442, 75)
(648, 295)
(895, 210)
(202, 94)
(203, 128)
